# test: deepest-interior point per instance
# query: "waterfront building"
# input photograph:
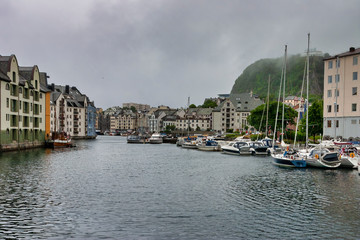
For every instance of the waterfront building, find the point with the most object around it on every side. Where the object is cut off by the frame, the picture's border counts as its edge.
(232, 113)
(70, 112)
(341, 98)
(22, 105)
(196, 118)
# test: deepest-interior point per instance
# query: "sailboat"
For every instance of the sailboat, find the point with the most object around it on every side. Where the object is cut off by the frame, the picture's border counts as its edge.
(318, 156)
(288, 158)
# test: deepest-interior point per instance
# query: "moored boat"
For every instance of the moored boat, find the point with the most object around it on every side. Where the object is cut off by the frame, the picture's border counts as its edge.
(59, 140)
(208, 145)
(156, 138)
(321, 158)
(349, 157)
(134, 139)
(258, 148)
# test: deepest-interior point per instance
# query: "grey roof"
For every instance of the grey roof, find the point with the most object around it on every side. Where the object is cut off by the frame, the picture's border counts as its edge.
(352, 51)
(54, 96)
(243, 102)
(4, 67)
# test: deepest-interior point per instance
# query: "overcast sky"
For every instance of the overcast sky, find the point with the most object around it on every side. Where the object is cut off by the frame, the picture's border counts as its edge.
(160, 52)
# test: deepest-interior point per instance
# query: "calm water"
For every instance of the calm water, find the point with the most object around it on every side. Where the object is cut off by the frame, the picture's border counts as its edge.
(107, 188)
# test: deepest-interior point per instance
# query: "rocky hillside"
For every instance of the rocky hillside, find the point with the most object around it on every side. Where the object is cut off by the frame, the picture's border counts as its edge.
(255, 77)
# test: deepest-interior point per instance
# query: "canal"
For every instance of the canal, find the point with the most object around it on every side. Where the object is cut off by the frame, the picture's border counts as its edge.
(108, 189)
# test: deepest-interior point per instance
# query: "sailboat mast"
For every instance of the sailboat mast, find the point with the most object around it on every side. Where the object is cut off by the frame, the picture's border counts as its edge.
(277, 108)
(188, 116)
(283, 106)
(267, 108)
(307, 93)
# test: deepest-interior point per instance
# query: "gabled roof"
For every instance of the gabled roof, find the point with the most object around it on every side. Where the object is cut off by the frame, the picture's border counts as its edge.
(352, 51)
(242, 102)
(4, 67)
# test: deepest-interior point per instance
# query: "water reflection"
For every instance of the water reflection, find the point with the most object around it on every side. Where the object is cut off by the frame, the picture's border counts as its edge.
(108, 189)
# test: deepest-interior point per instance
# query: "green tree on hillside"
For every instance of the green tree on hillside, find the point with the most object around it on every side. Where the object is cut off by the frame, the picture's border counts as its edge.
(255, 116)
(192, 106)
(315, 119)
(209, 104)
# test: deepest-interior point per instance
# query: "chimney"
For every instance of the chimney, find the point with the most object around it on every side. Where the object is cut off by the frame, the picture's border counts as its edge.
(251, 93)
(352, 49)
(67, 89)
(52, 87)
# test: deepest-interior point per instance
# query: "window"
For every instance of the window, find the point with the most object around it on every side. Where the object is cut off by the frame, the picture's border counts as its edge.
(14, 77)
(329, 79)
(20, 89)
(355, 60)
(329, 93)
(336, 92)
(337, 78)
(330, 65)
(337, 107)
(337, 123)
(7, 86)
(353, 121)
(329, 108)
(337, 63)
(353, 107)
(7, 102)
(329, 123)
(355, 76)
(354, 91)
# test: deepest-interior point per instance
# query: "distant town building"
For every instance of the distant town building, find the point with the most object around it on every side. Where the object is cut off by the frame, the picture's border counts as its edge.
(341, 98)
(293, 101)
(137, 106)
(232, 113)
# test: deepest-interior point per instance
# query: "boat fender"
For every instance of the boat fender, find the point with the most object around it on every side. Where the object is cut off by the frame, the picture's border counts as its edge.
(352, 155)
(287, 148)
(292, 157)
(316, 156)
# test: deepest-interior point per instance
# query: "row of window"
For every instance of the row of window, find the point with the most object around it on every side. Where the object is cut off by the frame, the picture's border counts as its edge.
(330, 63)
(336, 122)
(15, 90)
(353, 107)
(337, 92)
(337, 77)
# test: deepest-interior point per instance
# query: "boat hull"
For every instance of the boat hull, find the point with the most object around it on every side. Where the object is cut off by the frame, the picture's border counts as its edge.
(280, 160)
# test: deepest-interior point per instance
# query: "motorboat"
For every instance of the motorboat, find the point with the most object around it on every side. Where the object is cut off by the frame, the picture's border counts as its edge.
(189, 144)
(134, 139)
(208, 145)
(258, 148)
(349, 157)
(322, 158)
(59, 140)
(236, 148)
(156, 138)
(230, 149)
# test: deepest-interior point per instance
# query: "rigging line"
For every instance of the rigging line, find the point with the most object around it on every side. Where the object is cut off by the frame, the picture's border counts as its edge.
(277, 109)
(301, 94)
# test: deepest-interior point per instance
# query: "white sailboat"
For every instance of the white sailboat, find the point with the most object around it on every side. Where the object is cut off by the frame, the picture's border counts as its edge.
(318, 156)
(288, 158)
